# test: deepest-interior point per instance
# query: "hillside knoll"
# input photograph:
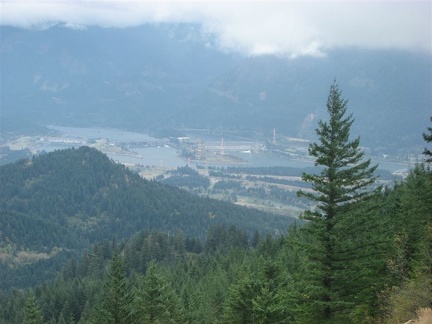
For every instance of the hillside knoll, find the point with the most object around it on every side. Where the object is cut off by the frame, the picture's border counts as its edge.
(71, 198)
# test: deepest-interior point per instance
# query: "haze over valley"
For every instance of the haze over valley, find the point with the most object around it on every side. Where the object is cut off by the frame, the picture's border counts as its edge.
(215, 162)
(163, 79)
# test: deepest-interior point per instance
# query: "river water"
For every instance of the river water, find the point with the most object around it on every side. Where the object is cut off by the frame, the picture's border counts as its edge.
(166, 156)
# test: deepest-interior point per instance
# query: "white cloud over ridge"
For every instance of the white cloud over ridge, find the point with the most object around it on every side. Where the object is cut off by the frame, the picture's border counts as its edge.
(292, 28)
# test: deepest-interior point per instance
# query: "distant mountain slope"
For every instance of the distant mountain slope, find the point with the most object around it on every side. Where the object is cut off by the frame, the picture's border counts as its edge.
(170, 76)
(388, 93)
(70, 198)
(132, 77)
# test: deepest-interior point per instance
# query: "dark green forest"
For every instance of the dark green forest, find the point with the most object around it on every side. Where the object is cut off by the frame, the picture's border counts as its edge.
(59, 203)
(233, 278)
(361, 254)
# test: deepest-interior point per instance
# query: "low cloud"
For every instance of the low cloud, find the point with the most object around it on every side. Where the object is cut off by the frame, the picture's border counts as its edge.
(290, 28)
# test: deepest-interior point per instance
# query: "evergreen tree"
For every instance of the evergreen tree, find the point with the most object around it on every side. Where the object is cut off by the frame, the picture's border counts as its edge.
(116, 304)
(342, 184)
(61, 319)
(258, 300)
(32, 312)
(428, 138)
(238, 306)
(413, 217)
(156, 301)
(270, 305)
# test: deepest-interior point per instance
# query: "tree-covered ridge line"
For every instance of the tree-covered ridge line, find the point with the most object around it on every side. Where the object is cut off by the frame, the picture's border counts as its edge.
(364, 256)
(66, 200)
(86, 191)
(230, 278)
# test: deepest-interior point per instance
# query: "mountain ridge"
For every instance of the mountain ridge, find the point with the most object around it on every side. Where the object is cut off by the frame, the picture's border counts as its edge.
(58, 204)
(80, 196)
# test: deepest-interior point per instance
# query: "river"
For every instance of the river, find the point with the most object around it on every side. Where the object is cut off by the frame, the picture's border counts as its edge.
(166, 156)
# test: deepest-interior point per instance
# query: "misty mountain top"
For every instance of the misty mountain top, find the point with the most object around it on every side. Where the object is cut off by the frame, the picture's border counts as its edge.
(285, 28)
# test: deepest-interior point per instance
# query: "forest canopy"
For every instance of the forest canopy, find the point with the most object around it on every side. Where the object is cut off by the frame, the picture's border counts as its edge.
(363, 256)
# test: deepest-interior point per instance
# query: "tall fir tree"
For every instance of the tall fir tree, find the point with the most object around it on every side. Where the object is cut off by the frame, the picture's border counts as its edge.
(258, 298)
(238, 307)
(117, 298)
(413, 216)
(156, 300)
(343, 183)
(32, 311)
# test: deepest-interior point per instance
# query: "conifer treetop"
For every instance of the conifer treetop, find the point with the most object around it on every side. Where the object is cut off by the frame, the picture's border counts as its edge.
(346, 176)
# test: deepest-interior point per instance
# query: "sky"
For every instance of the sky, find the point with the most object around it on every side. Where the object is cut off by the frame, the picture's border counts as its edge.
(292, 28)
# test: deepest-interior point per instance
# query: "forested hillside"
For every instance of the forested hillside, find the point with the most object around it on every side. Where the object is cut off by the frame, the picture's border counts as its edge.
(160, 278)
(363, 256)
(63, 201)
